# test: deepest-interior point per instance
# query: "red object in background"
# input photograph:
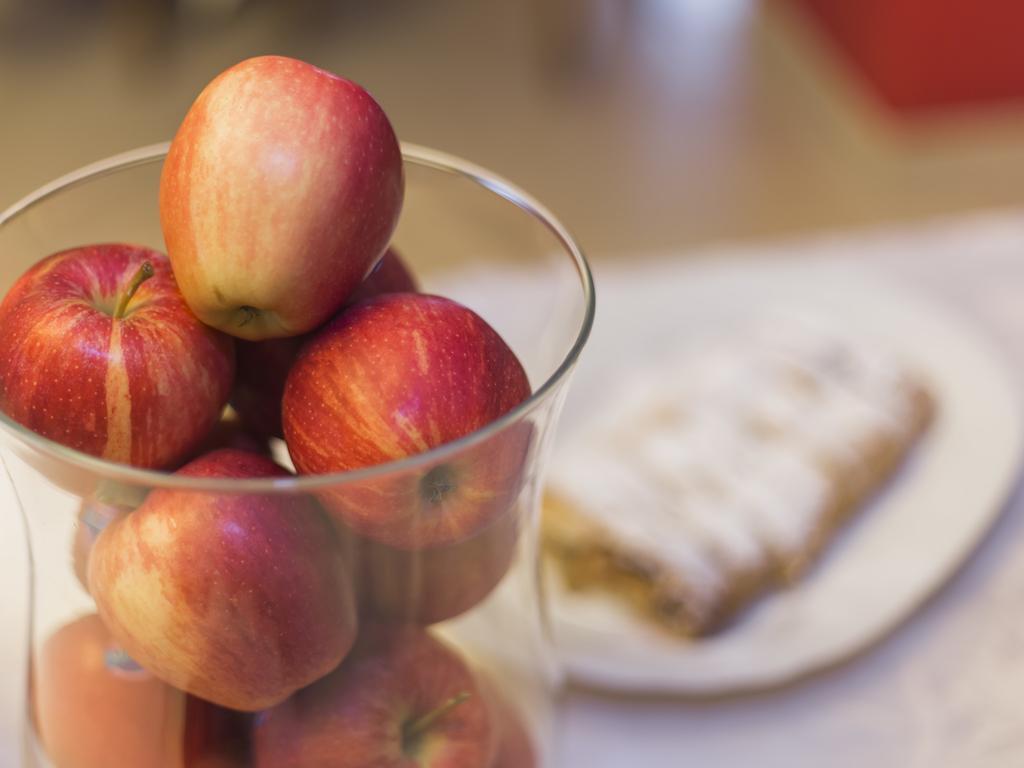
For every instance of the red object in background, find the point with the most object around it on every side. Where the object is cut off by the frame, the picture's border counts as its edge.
(921, 54)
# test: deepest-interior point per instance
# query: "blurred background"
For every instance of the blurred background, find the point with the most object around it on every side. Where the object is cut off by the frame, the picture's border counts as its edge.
(645, 124)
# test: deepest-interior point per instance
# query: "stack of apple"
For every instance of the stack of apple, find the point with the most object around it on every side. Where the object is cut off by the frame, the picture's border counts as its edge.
(280, 294)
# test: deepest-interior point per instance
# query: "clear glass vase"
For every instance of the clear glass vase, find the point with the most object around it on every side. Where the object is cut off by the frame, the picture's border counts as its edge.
(459, 621)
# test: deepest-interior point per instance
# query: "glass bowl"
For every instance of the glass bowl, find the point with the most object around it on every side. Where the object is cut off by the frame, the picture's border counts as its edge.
(460, 621)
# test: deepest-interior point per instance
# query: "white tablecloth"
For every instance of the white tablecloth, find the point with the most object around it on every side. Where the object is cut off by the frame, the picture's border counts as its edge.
(947, 689)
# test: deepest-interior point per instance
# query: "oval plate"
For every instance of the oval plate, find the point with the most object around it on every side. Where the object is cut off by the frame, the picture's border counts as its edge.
(893, 554)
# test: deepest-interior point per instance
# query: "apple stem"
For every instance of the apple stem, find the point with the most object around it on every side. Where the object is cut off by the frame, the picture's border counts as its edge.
(142, 275)
(248, 315)
(417, 728)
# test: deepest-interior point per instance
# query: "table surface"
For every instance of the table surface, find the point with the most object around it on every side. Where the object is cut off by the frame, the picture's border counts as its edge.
(944, 690)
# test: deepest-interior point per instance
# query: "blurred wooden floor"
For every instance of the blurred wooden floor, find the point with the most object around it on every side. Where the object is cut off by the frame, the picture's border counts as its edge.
(646, 124)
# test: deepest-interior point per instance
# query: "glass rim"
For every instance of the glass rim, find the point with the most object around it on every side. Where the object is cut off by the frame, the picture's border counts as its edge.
(415, 153)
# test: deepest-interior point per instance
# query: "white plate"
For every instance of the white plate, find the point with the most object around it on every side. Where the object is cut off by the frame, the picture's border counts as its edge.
(888, 560)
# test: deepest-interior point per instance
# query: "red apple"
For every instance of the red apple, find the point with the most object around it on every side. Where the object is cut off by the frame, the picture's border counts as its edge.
(95, 708)
(99, 352)
(280, 191)
(396, 376)
(436, 583)
(263, 365)
(402, 700)
(240, 599)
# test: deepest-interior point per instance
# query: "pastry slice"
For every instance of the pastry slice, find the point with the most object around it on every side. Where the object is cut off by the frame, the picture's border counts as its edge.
(714, 478)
